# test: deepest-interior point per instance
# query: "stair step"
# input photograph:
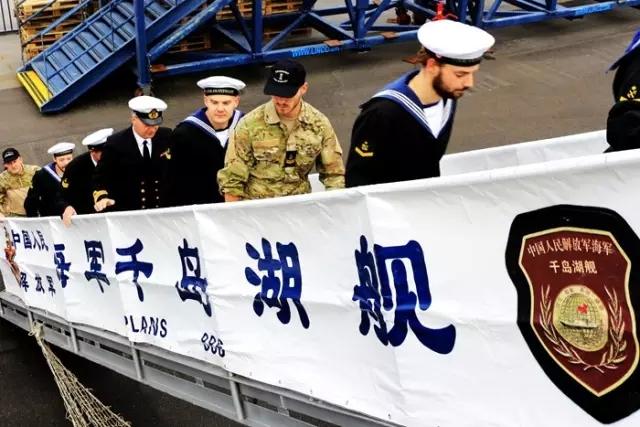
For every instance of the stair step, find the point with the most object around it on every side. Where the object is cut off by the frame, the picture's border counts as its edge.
(165, 4)
(35, 87)
(125, 26)
(59, 61)
(86, 39)
(112, 40)
(157, 9)
(56, 83)
(126, 9)
(78, 55)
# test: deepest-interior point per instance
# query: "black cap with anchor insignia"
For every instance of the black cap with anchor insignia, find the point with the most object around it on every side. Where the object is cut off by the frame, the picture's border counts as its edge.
(285, 79)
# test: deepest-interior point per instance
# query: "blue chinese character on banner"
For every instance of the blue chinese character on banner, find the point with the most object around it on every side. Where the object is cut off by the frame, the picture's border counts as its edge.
(134, 265)
(26, 240)
(367, 294)
(39, 242)
(192, 285)
(23, 282)
(51, 289)
(275, 292)
(15, 237)
(62, 267)
(95, 256)
(372, 295)
(39, 287)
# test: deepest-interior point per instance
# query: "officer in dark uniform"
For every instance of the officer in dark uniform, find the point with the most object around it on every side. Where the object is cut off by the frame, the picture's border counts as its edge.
(403, 131)
(199, 143)
(43, 198)
(77, 191)
(132, 172)
(623, 123)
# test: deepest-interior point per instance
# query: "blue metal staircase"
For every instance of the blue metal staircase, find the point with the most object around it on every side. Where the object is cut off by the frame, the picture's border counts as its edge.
(97, 47)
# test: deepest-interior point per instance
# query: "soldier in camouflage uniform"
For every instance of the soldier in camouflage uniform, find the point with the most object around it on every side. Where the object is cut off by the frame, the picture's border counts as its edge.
(274, 147)
(15, 181)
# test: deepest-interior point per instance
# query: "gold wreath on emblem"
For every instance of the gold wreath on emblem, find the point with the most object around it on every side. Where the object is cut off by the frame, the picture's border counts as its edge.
(578, 319)
(153, 114)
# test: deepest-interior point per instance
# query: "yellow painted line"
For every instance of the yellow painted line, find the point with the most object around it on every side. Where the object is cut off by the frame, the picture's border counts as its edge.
(35, 87)
(42, 88)
(31, 90)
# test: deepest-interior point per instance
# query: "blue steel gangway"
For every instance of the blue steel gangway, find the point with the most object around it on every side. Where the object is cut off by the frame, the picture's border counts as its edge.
(140, 33)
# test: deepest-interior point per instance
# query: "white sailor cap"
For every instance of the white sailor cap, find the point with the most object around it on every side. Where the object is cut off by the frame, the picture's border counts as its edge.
(97, 138)
(455, 43)
(221, 85)
(148, 109)
(61, 149)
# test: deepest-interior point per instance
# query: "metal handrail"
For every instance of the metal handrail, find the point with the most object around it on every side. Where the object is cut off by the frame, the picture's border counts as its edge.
(82, 5)
(35, 15)
(112, 5)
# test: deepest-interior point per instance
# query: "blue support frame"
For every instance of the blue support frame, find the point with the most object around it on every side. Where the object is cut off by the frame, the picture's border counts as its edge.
(245, 35)
(360, 31)
(67, 75)
(144, 69)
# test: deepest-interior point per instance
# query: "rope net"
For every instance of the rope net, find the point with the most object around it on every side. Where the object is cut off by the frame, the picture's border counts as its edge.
(83, 408)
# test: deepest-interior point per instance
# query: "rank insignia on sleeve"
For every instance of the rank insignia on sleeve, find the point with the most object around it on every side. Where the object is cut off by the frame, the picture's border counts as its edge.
(632, 92)
(363, 150)
(65, 183)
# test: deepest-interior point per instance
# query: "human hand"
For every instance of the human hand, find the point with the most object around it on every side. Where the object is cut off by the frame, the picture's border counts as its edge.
(231, 198)
(103, 204)
(67, 214)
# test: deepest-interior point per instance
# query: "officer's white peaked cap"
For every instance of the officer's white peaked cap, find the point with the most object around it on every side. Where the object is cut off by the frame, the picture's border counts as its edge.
(148, 109)
(98, 137)
(454, 42)
(146, 104)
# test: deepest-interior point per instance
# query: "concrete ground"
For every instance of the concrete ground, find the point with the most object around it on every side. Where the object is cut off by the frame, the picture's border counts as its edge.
(548, 79)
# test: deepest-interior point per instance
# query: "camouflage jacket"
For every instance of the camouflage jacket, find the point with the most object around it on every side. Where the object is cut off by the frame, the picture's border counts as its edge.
(264, 160)
(13, 190)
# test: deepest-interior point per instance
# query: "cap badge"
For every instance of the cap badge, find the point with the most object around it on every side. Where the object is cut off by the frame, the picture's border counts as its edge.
(153, 114)
(281, 76)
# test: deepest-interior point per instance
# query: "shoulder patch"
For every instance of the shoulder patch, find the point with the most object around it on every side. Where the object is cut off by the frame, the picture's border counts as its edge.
(65, 183)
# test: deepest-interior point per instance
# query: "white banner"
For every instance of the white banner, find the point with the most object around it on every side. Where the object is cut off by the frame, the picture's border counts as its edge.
(525, 153)
(503, 297)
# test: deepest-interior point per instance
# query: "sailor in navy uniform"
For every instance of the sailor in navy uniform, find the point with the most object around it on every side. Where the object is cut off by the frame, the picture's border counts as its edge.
(402, 132)
(199, 143)
(623, 122)
(43, 198)
(76, 182)
(132, 172)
